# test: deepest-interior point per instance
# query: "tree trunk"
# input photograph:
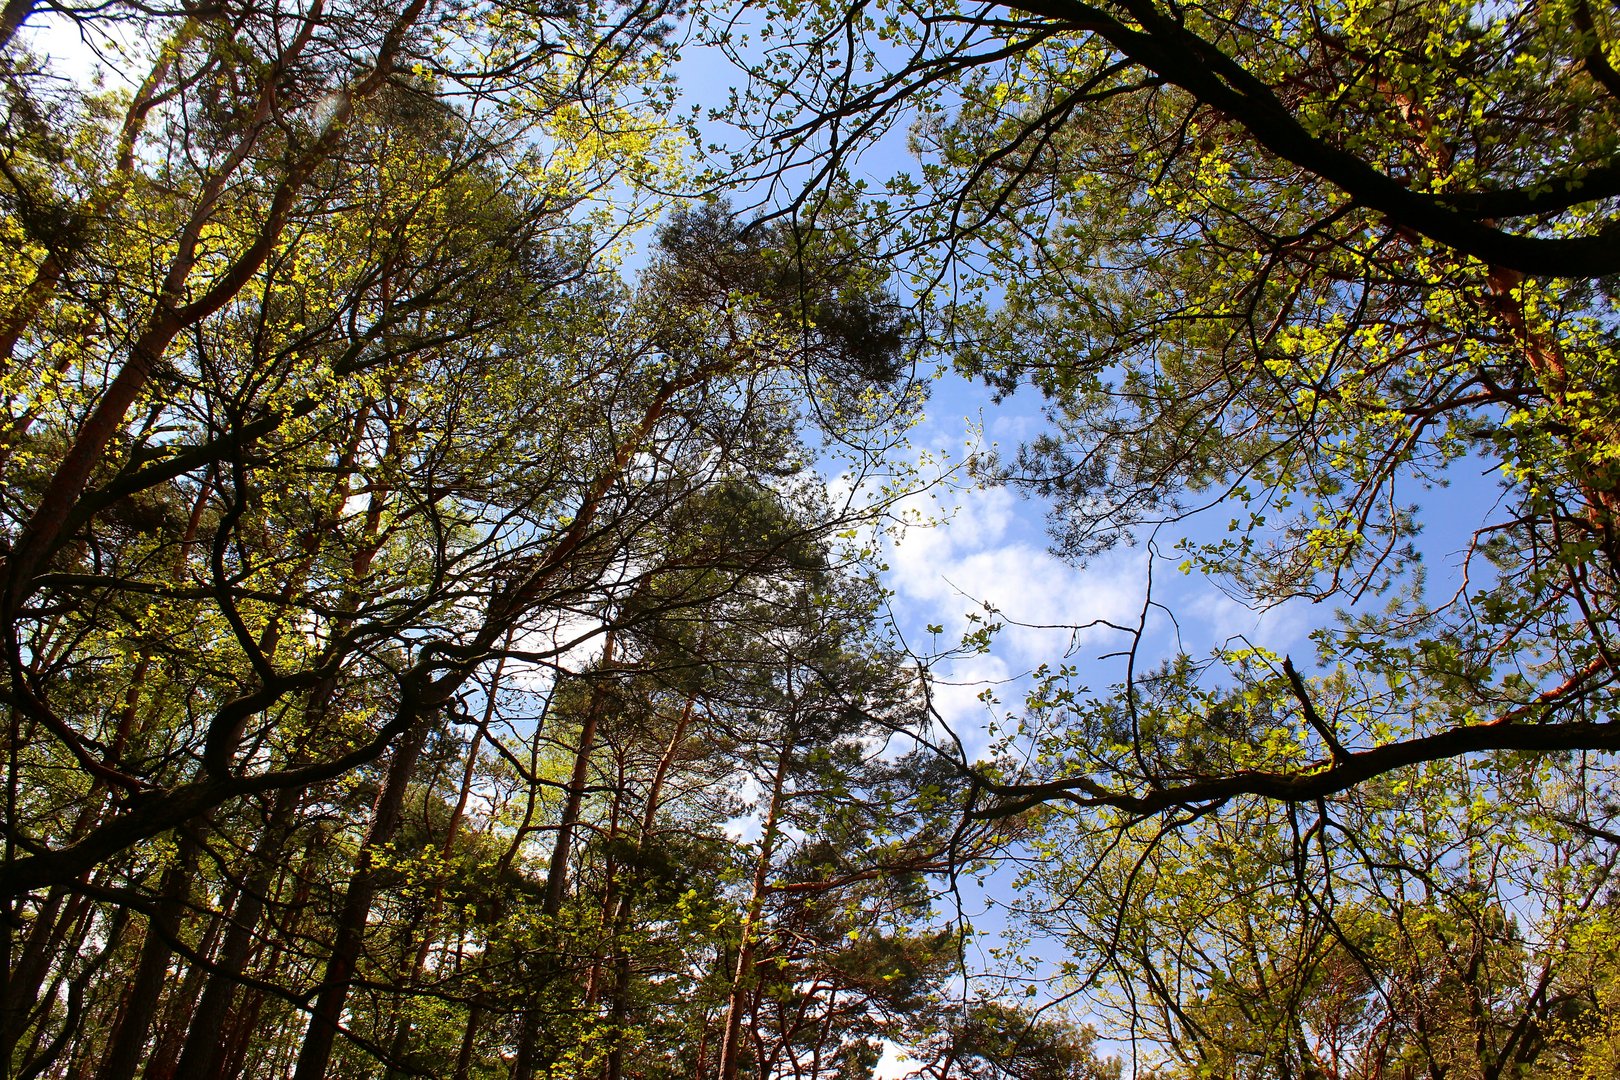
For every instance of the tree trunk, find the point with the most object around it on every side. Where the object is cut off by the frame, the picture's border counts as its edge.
(528, 1055)
(435, 906)
(203, 1048)
(67, 939)
(742, 980)
(128, 1047)
(349, 934)
(11, 19)
(620, 1007)
(469, 1035)
(176, 1022)
(42, 945)
(77, 987)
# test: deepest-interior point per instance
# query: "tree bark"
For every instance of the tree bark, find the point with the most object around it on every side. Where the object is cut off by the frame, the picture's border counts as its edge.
(349, 933)
(127, 1051)
(529, 1054)
(435, 907)
(201, 1054)
(743, 977)
(619, 1010)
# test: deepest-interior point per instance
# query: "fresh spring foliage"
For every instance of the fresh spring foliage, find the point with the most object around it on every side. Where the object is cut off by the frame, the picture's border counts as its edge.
(444, 630)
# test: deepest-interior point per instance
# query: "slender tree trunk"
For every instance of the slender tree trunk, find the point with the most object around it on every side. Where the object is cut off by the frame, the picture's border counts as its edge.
(237, 1040)
(127, 1051)
(469, 1037)
(77, 989)
(63, 943)
(11, 19)
(742, 980)
(42, 945)
(202, 1050)
(611, 888)
(349, 933)
(528, 1055)
(435, 907)
(176, 1023)
(234, 1048)
(619, 1010)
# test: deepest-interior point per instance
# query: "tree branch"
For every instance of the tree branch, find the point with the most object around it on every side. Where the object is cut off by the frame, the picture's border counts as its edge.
(1323, 778)
(1203, 70)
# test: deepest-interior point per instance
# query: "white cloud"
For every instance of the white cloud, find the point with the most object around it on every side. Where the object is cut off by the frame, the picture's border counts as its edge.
(893, 1064)
(956, 698)
(987, 549)
(1209, 619)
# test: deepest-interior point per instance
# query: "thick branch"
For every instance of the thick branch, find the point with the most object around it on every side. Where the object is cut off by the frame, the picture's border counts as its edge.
(1317, 781)
(1203, 70)
(162, 811)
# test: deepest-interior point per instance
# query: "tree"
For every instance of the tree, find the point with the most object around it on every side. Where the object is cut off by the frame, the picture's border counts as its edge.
(1293, 259)
(274, 325)
(1292, 264)
(328, 422)
(1444, 918)
(990, 1040)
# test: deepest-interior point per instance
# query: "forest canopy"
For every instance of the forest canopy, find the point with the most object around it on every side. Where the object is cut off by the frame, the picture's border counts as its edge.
(452, 459)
